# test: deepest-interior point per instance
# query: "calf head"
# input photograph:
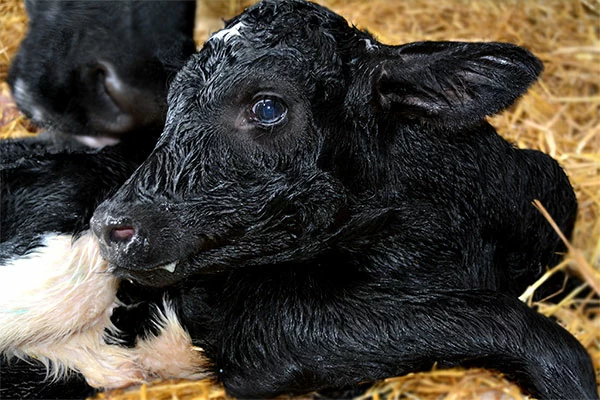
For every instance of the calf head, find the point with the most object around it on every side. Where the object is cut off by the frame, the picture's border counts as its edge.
(279, 136)
(100, 68)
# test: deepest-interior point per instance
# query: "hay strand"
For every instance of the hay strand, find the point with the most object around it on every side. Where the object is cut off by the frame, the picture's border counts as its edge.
(591, 277)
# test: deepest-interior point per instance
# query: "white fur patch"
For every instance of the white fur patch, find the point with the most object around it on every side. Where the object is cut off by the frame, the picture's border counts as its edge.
(60, 288)
(55, 305)
(227, 34)
(171, 353)
(369, 45)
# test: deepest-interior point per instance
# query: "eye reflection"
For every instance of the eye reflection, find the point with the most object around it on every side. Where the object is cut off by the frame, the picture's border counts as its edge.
(269, 111)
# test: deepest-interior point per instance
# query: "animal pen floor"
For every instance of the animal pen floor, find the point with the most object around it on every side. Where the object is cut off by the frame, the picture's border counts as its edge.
(560, 115)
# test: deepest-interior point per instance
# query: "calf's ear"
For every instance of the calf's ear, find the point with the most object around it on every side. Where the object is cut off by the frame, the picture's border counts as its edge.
(451, 83)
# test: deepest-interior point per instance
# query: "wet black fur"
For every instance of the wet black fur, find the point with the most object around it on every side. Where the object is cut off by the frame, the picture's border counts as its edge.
(45, 190)
(381, 227)
(28, 380)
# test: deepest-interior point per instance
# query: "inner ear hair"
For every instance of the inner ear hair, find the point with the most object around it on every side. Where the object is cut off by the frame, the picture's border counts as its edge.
(453, 82)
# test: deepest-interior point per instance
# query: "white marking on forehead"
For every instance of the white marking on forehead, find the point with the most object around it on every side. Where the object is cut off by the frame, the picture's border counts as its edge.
(369, 44)
(227, 34)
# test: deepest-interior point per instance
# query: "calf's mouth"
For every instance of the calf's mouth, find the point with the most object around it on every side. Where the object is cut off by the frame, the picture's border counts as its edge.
(153, 258)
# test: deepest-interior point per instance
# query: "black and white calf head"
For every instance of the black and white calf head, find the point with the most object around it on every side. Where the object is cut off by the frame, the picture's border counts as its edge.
(285, 130)
(100, 68)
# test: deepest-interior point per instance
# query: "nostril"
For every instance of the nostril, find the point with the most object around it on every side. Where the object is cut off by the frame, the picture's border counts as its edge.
(121, 234)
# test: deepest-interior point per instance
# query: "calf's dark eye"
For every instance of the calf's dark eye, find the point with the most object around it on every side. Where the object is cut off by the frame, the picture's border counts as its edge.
(269, 111)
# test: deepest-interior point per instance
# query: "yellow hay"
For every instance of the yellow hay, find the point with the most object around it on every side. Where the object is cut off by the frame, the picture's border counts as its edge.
(560, 115)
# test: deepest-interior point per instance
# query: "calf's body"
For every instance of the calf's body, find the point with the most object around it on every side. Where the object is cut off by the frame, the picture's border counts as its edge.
(325, 210)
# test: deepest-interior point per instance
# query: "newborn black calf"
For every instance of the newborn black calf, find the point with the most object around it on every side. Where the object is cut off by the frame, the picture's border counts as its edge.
(99, 69)
(326, 210)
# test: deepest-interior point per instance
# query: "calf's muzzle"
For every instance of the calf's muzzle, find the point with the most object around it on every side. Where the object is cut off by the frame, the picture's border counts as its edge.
(118, 236)
(143, 242)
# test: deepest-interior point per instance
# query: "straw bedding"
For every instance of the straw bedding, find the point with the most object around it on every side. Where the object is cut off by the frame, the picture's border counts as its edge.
(560, 115)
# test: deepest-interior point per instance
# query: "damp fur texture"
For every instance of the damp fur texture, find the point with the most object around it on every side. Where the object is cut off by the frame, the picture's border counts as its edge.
(344, 211)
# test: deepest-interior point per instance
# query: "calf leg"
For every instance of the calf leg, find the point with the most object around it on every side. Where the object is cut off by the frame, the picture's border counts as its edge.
(371, 336)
